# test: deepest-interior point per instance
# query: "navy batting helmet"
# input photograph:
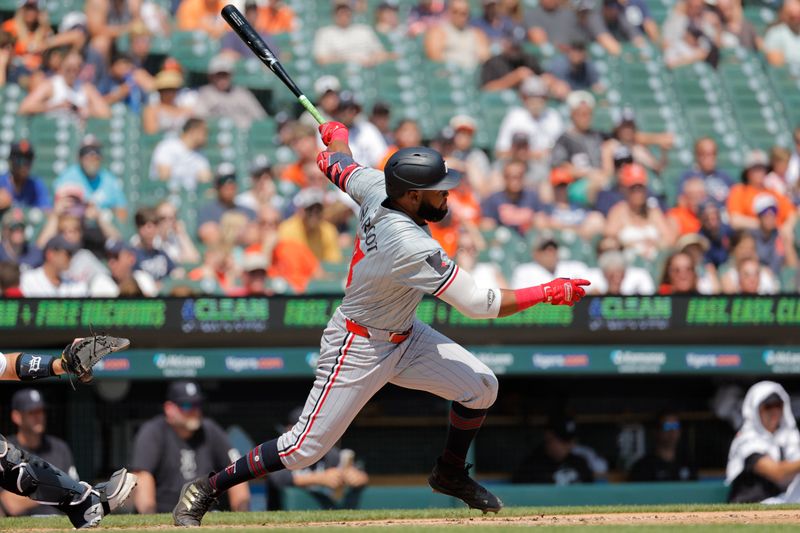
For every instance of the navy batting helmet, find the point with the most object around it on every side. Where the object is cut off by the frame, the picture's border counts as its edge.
(420, 169)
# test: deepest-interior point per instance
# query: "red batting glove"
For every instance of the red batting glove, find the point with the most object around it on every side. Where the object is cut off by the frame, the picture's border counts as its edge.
(564, 291)
(333, 131)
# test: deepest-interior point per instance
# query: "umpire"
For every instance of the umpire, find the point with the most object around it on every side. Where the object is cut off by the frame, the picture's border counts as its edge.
(177, 446)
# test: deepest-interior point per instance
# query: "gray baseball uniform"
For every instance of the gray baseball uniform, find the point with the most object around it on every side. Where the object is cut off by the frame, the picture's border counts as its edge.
(374, 337)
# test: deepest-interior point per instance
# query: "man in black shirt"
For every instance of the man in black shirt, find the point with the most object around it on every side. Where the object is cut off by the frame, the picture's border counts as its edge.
(511, 66)
(664, 462)
(28, 414)
(554, 460)
(179, 446)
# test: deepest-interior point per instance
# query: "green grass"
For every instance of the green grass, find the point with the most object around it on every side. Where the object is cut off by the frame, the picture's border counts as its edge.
(296, 520)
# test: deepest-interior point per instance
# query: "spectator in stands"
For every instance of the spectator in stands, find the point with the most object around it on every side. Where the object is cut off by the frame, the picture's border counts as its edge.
(173, 238)
(345, 42)
(778, 178)
(290, 262)
(201, 15)
(694, 15)
(126, 83)
(381, 118)
(685, 216)
(782, 41)
(220, 98)
(166, 115)
(512, 66)
(14, 245)
(308, 227)
(65, 95)
(718, 233)
(406, 135)
(50, 280)
(638, 221)
(29, 415)
(619, 278)
(424, 15)
(107, 20)
(742, 197)
(737, 31)
(18, 187)
(262, 190)
(619, 27)
(692, 47)
(335, 481)
(233, 46)
(547, 263)
(559, 24)
(485, 273)
(303, 142)
(773, 249)
(555, 461)
(210, 215)
(575, 70)
(665, 462)
(99, 186)
(679, 275)
(516, 206)
(124, 279)
(454, 42)
(9, 282)
(178, 446)
(626, 134)
(327, 89)
(541, 124)
(562, 214)
(744, 248)
(793, 169)
(149, 258)
(637, 13)
(697, 246)
(466, 157)
(29, 28)
(748, 273)
(718, 182)
(493, 22)
(274, 16)
(218, 272)
(254, 280)
(366, 141)
(178, 160)
(579, 149)
(387, 21)
(764, 457)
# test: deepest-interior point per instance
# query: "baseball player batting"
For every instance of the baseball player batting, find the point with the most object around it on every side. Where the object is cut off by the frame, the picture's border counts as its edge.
(374, 337)
(29, 475)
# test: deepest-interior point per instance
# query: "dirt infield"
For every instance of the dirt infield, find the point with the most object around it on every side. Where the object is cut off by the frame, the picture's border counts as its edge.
(596, 519)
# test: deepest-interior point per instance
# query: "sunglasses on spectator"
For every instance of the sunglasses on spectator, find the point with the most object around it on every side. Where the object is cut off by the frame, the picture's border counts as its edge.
(188, 406)
(671, 426)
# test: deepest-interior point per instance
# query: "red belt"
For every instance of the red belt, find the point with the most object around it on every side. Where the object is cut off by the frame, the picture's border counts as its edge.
(363, 331)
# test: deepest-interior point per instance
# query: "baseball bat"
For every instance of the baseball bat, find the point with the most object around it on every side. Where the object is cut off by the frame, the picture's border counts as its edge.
(253, 40)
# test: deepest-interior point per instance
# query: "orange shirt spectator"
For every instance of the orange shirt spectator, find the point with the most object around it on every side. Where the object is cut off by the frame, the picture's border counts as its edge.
(741, 198)
(275, 18)
(30, 28)
(685, 219)
(293, 261)
(202, 15)
(294, 173)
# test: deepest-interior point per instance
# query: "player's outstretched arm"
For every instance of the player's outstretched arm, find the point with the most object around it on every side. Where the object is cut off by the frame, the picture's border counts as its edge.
(476, 302)
(27, 367)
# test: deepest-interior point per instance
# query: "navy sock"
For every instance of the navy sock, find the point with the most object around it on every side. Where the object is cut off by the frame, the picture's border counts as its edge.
(464, 425)
(256, 463)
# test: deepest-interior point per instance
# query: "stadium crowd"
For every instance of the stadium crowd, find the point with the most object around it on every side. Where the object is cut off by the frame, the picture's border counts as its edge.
(551, 196)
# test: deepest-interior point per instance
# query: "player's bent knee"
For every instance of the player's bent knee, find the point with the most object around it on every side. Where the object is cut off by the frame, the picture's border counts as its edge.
(486, 392)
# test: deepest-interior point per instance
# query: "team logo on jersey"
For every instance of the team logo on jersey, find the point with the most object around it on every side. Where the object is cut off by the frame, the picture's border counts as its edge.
(439, 262)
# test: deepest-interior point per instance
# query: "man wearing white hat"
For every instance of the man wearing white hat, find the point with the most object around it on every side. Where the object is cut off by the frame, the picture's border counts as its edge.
(221, 98)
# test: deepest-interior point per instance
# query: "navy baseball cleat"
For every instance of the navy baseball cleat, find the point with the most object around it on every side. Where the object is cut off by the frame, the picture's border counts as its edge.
(103, 499)
(455, 481)
(194, 502)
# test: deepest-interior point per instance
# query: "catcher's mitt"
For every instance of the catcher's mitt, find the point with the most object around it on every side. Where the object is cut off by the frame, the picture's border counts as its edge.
(83, 353)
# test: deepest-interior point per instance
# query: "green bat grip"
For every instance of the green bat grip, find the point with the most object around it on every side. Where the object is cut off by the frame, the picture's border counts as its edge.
(310, 108)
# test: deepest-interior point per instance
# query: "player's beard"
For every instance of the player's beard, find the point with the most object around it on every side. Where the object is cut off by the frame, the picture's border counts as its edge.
(431, 213)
